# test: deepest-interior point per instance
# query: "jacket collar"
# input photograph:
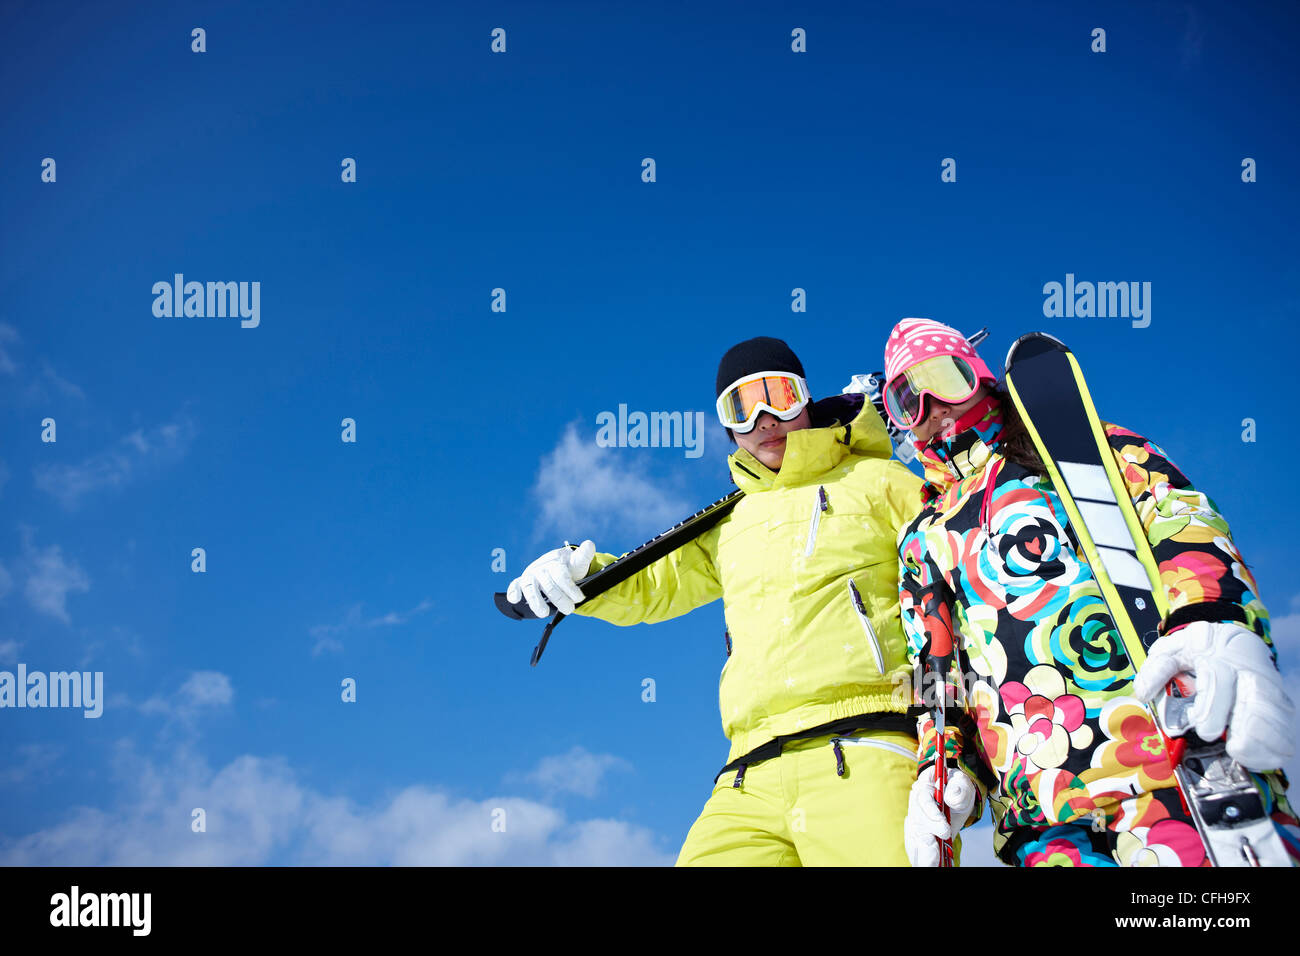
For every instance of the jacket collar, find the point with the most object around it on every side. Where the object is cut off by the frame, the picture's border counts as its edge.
(843, 425)
(962, 449)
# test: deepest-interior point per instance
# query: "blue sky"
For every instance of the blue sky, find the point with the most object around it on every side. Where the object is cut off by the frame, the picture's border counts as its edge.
(522, 171)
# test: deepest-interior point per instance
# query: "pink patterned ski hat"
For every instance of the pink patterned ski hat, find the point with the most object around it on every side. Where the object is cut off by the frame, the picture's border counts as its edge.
(915, 340)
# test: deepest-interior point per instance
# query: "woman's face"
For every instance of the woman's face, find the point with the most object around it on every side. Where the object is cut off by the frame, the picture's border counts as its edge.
(766, 440)
(939, 416)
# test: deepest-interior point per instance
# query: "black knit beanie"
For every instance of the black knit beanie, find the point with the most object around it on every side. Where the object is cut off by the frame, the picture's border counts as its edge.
(760, 354)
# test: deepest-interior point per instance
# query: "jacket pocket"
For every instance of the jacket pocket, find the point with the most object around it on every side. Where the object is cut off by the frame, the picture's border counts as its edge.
(820, 504)
(839, 743)
(861, 610)
(873, 742)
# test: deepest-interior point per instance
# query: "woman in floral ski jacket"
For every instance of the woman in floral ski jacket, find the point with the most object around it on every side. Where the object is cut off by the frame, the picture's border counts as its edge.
(1073, 767)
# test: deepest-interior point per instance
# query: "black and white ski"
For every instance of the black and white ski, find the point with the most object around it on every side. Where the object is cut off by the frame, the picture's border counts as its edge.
(618, 571)
(1050, 393)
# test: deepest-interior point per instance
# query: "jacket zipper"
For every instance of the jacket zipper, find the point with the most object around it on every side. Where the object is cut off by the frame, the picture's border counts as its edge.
(819, 505)
(987, 503)
(837, 744)
(866, 626)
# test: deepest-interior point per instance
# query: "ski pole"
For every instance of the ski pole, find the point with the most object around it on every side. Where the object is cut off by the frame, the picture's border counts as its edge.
(936, 623)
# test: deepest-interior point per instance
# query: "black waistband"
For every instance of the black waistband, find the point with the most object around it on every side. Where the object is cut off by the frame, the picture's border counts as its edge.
(888, 721)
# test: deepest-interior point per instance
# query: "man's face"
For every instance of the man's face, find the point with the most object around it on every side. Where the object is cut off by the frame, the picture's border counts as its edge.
(766, 440)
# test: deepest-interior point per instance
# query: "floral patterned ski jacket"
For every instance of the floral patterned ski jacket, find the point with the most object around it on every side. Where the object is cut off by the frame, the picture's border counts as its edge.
(1060, 738)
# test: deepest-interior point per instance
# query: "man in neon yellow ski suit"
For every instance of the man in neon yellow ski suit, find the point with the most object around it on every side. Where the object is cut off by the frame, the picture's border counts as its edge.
(823, 752)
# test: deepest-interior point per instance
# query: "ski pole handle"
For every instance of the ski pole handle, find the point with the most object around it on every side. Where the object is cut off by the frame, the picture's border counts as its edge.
(939, 673)
(941, 785)
(616, 573)
(519, 611)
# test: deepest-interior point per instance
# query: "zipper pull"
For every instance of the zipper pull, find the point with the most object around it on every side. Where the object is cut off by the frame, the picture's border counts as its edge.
(857, 598)
(870, 631)
(822, 499)
(839, 756)
(726, 637)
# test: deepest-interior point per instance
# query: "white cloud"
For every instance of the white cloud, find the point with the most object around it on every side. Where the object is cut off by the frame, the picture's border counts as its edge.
(608, 843)
(34, 390)
(6, 581)
(253, 807)
(717, 445)
(1284, 629)
(206, 689)
(137, 454)
(70, 389)
(326, 634)
(326, 645)
(426, 827)
(259, 813)
(50, 579)
(584, 490)
(203, 690)
(399, 617)
(579, 771)
(977, 846)
(32, 761)
(9, 652)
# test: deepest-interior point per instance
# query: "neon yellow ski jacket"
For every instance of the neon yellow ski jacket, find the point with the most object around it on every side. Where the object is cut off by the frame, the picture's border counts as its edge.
(786, 562)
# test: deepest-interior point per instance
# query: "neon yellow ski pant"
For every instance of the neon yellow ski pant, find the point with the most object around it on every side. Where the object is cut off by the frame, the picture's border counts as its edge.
(795, 810)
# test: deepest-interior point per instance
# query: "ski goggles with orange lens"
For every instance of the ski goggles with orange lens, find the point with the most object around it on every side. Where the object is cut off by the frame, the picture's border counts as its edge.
(949, 378)
(784, 394)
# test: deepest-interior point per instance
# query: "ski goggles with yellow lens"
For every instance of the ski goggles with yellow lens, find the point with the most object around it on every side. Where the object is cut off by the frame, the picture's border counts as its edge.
(784, 394)
(949, 378)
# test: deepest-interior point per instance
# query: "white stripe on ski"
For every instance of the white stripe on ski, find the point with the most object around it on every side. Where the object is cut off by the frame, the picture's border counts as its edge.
(1087, 481)
(1105, 522)
(1124, 568)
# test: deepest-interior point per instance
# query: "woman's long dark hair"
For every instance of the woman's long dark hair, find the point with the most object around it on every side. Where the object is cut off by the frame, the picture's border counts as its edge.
(1013, 441)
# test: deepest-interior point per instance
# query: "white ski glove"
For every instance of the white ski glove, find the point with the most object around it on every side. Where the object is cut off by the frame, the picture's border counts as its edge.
(925, 823)
(1238, 688)
(552, 578)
